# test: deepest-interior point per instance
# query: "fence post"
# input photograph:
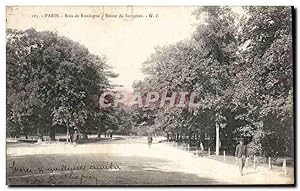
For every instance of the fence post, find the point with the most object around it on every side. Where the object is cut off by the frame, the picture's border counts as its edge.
(284, 169)
(188, 147)
(208, 151)
(224, 155)
(254, 162)
(176, 144)
(270, 165)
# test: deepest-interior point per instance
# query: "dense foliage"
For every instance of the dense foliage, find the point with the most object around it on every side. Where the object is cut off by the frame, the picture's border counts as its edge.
(241, 66)
(52, 82)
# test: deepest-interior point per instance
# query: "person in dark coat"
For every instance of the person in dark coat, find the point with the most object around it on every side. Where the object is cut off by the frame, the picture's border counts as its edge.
(241, 154)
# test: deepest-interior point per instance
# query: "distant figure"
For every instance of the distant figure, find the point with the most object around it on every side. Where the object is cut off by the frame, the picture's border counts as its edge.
(75, 137)
(71, 135)
(241, 155)
(201, 146)
(150, 139)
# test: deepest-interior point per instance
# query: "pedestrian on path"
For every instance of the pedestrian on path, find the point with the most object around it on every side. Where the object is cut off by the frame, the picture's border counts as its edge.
(75, 137)
(241, 154)
(150, 139)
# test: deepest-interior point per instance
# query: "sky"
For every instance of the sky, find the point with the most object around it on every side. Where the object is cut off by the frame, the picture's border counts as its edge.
(126, 42)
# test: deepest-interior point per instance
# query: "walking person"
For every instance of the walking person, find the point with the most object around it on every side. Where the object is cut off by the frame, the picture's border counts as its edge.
(241, 154)
(75, 137)
(150, 139)
(71, 134)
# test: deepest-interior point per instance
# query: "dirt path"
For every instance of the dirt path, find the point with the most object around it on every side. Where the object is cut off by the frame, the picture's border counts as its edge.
(162, 164)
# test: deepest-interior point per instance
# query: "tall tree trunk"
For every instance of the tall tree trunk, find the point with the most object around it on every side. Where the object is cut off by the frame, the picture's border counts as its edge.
(68, 135)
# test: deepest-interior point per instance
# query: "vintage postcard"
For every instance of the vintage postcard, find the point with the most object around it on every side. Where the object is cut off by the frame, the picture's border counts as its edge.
(150, 95)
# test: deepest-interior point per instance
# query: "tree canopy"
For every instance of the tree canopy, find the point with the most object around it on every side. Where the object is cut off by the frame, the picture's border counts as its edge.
(52, 80)
(241, 67)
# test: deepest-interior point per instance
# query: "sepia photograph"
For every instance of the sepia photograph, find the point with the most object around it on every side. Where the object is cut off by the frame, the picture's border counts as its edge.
(150, 96)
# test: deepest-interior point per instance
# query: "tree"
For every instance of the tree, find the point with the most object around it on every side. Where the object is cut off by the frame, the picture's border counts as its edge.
(265, 85)
(52, 81)
(202, 64)
(241, 66)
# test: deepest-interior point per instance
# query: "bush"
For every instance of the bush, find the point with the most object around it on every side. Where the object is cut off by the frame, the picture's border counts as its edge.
(254, 149)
